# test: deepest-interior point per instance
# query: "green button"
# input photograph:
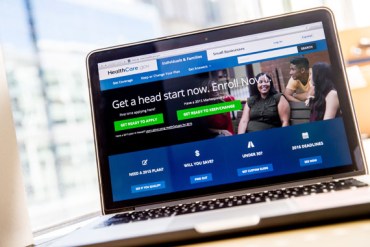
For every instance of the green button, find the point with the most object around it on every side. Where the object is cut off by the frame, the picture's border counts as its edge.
(208, 110)
(138, 122)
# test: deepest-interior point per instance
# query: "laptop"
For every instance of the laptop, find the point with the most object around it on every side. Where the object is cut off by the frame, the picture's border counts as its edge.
(14, 219)
(186, 147)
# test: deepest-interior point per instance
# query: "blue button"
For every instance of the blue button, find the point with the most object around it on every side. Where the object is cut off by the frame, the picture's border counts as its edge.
(316, 160)
(201, 178)
(255, 169)
(148, 187)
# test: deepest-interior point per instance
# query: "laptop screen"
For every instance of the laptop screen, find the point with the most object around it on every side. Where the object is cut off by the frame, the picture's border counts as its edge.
(229, 108)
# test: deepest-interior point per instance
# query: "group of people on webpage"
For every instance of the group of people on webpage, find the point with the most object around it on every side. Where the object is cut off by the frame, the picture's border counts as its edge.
(266, 108)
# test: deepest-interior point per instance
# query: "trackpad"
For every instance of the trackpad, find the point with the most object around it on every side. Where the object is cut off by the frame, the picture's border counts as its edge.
(230, 218)
(227, 224)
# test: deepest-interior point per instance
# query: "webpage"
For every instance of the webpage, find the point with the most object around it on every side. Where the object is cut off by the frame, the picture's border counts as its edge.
(172, 118)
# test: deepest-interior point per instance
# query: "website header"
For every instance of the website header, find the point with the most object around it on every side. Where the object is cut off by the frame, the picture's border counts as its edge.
(212, 56)
(212, 45)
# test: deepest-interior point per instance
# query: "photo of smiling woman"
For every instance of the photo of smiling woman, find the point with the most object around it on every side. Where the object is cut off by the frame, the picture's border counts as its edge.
(265, 108)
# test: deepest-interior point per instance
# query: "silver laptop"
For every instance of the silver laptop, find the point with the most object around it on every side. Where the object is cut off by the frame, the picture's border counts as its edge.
(204, 133)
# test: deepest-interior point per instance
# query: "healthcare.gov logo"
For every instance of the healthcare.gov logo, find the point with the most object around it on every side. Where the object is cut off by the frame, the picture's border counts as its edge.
(123, 70)
(126, 70)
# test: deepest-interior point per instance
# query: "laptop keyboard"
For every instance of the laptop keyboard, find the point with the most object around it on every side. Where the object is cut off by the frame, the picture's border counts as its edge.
(232, 201)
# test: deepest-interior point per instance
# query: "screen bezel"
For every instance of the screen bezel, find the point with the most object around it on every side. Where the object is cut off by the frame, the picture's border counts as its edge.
(210, 35)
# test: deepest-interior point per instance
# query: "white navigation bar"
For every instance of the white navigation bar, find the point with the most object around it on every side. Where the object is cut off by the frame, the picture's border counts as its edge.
(255, 41)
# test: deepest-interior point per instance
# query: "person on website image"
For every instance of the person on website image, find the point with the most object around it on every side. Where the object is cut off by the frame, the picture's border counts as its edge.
(324, 103)
(299, 85)
(265, 108)
(219, 124)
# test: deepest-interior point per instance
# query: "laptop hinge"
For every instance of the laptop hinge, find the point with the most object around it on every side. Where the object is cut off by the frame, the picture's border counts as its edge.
(349, 174)
(120, 210)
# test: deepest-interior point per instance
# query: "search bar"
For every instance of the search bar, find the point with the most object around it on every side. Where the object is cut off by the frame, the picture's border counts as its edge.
(268, 54)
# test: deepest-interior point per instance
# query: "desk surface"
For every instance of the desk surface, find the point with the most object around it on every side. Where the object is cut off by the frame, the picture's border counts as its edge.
(355, 233)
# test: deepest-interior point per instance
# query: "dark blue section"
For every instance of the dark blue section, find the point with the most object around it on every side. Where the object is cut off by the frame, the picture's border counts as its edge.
(193, 159)
(193, 66)
(316, 160)
(140, 169)
(217, 161)
(255, 169)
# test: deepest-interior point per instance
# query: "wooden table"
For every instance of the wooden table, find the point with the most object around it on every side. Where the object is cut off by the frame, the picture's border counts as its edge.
(349, 234)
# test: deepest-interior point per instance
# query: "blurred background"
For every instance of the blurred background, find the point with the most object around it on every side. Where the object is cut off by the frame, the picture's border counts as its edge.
(45, 44)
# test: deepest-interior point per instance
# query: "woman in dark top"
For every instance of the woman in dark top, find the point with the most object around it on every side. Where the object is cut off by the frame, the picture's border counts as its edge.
(325, 103)
(265, 109)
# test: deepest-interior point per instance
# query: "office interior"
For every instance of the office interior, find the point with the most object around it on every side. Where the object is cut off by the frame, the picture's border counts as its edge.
(44, 45)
